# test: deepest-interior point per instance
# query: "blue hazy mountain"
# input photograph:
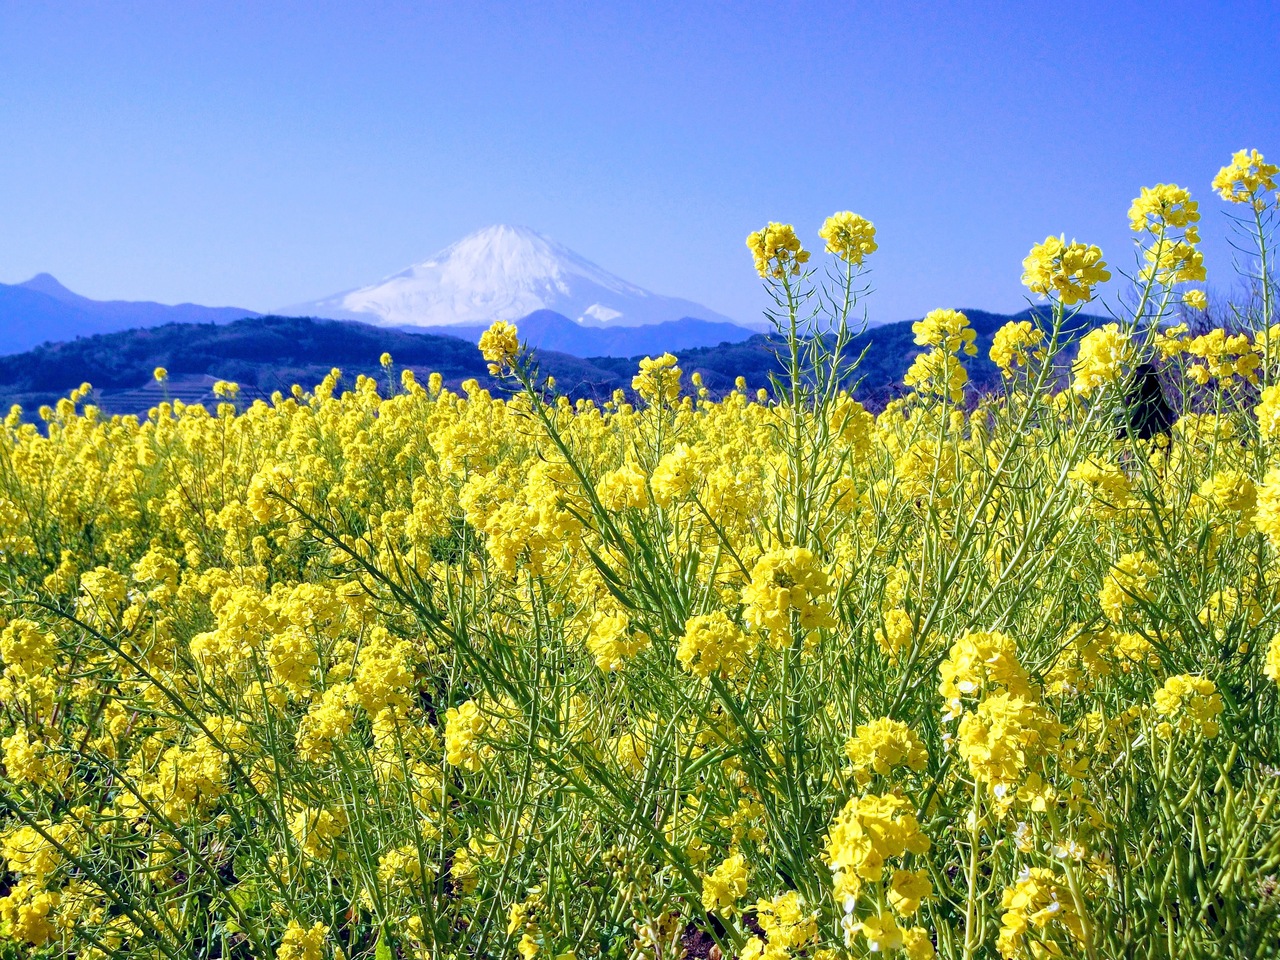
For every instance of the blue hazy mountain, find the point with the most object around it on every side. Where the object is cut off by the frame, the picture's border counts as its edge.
(42, 310)
(548, 330)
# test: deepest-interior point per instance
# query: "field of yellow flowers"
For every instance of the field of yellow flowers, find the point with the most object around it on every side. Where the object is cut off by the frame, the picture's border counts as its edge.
(407, 673)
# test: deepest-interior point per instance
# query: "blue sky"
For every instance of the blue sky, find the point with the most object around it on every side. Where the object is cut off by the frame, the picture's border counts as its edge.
(264, 154)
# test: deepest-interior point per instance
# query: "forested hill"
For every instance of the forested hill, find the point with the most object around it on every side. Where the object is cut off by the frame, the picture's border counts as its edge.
(264, 354)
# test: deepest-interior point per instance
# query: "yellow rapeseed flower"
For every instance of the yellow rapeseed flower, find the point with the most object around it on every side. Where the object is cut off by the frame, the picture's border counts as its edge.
(882, 745)
(500, 345)
(1037, 904)
(1165, 204)
(1245, 178)
(777, 251)
(1015, 344)
(1189, 704)
(713, 645)
(302, 943)
(947, 330)
(658, 381)
(1065, 271)
(725, 886)
(849, 236)
(1102, 360)
(786, 583)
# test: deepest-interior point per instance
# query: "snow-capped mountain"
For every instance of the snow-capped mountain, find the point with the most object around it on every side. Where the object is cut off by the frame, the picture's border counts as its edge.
(503, 273)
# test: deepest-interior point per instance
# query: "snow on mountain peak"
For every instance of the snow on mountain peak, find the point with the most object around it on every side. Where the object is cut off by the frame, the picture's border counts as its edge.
(504, 272)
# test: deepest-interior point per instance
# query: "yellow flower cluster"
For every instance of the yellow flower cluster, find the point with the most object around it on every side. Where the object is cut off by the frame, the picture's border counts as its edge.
(784, 584)
(946, 330)
(302, 943)
(25, 650)
(1000, 739)
(1040, 917)
(850, 237)
(25, 913)
(675, 476)
(981, 663)
(882, 934)
(777, 250)
(1127, 583)
(1268, 413)
(882, 745)
(1189, 704)
(787, 928)
(1267, 516)
(725, 886)
(867, 833)
(658, 380)
(1164, 205)
(1102, 358)
(938, 370)
(464, 729)
(612, 640)
(1177, 262)
(1246, 178)
(936, 373)
(1222, 357)
(713, 645)
(627, 486)
(1108, 488)
(315, 829)
(1015, 344)
(1271, 668)
(1066, 271)
(500, 345)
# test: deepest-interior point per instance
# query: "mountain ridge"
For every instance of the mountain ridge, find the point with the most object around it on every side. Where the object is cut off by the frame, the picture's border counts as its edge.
(42, 310)
(548, 330)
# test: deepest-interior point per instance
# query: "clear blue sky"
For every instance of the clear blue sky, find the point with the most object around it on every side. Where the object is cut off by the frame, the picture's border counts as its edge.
(261, 154)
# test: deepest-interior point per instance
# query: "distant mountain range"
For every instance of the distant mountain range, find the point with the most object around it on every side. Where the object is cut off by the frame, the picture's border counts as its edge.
(265, 354)
(42, 310)
(561, 301)
(548, 330)
(503, 273)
